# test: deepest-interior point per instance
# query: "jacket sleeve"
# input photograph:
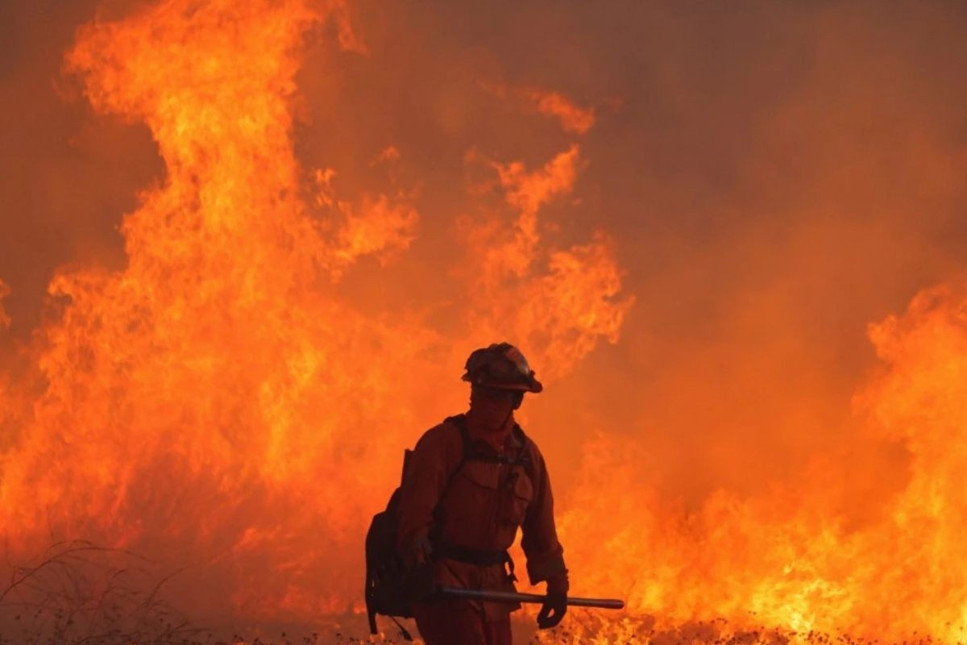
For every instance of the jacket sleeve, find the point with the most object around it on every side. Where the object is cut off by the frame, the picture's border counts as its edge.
(545, 555)
(424, 481)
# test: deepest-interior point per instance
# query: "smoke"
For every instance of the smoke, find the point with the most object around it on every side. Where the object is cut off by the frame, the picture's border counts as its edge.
(66, 174)
(776, 178)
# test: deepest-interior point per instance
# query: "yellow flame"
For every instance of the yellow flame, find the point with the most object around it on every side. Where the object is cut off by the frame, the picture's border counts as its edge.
(222, 401)
(781, 560)
(218, 401)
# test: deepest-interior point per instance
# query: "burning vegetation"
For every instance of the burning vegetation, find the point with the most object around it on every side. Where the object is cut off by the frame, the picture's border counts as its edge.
(232, 401)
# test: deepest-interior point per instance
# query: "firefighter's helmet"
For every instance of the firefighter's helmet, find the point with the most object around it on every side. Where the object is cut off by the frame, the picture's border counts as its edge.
(501, 366)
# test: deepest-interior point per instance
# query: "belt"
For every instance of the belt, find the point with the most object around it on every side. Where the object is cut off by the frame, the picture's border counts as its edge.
(480, 557)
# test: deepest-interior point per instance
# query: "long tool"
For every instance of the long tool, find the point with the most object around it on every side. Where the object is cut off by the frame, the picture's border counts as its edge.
(508, 596)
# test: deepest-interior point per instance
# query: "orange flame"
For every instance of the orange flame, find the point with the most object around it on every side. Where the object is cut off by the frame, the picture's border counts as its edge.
(785, 560)
(226, 403)
(572, 118)
(218, 401)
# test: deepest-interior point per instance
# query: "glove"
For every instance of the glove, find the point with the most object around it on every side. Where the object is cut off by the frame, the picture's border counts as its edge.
(416, 576)
(555, 605)
(417, 551)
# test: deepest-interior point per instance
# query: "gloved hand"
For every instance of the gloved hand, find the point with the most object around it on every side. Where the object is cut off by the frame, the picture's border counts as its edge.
(416, 577)
(555, 606)
(417, 551)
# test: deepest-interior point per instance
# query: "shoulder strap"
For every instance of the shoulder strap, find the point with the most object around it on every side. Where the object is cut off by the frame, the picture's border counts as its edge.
(461, 422)
(525, 454)
(469, 454)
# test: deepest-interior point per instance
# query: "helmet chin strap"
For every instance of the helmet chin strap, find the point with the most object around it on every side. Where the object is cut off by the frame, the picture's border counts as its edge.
(511, 412)
(507, 418)
(499, 423)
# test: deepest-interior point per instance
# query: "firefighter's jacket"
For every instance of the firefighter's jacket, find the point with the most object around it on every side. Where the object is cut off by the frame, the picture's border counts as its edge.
(478, 506)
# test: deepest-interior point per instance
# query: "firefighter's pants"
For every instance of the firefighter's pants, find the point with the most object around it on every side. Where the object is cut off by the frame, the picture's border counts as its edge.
(459, 623)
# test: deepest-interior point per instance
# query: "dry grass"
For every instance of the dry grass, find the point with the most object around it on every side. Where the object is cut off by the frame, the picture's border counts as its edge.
(77, 593)
(589, 628)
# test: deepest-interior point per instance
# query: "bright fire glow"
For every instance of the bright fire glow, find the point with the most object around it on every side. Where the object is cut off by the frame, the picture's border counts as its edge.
(222, 401)
(217, 397)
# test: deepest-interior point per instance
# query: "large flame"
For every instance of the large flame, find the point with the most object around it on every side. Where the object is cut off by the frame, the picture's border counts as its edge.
(217, 399)
(790, 560)
(228, 405)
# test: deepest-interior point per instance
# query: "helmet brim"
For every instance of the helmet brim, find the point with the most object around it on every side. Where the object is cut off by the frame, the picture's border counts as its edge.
(534, 386)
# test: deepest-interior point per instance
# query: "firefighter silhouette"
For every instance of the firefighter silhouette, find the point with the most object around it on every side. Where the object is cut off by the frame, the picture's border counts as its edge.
(471, 483)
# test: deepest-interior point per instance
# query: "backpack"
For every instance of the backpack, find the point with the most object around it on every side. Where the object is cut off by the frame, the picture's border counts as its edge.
(391, 586)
